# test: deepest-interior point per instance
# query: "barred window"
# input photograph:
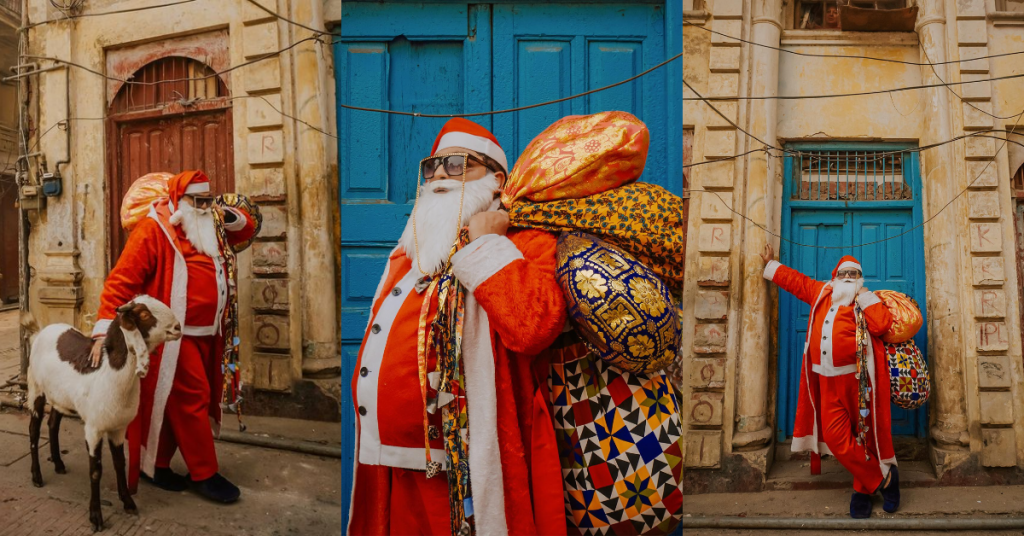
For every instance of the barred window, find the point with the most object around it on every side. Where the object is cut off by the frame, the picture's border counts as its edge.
(851, 176)
(824, 14)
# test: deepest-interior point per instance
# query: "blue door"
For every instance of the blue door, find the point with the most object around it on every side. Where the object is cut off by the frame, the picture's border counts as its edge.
(449, 57)
(865, 203)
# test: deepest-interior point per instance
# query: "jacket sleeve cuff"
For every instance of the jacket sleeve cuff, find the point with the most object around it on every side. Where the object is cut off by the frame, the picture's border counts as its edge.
(237, 222)
(101, 328)
(482, 258)
(867, 299)
(770, 269)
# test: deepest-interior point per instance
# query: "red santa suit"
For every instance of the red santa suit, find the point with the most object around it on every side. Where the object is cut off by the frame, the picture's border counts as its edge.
(179, 405)
(828, 404)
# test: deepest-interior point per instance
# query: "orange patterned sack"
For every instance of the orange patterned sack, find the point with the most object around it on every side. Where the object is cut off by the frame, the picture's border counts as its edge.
(578, 156)
(142, 193)
(906, 316)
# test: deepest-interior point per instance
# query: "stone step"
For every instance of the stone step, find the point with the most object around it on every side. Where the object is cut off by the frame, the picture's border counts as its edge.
(796, 475)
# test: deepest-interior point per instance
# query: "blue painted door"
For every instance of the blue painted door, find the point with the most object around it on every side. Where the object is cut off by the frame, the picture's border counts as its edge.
(450, 57)
(860, 228)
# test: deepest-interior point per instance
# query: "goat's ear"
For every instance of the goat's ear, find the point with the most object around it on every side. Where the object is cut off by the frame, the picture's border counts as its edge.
(128, 320)
(126, 307)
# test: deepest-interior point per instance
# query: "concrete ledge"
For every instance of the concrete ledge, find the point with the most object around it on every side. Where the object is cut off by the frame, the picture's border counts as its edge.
(796, 523)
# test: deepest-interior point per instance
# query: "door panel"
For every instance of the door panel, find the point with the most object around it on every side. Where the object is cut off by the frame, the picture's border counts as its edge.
(889, 265)
(8, 239)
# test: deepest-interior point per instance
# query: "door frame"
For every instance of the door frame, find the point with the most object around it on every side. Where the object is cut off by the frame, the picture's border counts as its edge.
(917, 234)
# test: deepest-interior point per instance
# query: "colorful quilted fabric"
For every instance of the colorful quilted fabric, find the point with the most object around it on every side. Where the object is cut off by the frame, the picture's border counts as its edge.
(908, 375)
(906, 316)
(579, 155)
(618, 305)
(643, 219)
(620, 445)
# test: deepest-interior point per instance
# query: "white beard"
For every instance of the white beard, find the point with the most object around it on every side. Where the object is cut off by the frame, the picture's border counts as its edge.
(199, 226)
(845, 290)
(437, 215)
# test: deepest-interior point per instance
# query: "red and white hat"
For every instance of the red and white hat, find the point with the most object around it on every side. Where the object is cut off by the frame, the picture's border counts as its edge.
(459, 132)
(847, 262)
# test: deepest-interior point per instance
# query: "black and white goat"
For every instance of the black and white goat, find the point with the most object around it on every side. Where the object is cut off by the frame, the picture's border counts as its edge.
(105, 397)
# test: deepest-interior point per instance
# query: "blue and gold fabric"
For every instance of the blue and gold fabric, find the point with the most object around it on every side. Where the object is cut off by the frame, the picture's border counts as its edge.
(620, 307)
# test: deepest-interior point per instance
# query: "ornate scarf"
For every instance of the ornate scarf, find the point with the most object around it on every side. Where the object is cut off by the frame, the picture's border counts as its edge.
(444, 335)
(864, 352)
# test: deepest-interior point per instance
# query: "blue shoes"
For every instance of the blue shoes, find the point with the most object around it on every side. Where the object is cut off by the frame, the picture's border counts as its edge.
(860, 505)
(891, 493)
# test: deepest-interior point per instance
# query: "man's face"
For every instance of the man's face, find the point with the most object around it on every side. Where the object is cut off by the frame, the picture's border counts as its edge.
(200, 202)
(474, 171)
(832, 16)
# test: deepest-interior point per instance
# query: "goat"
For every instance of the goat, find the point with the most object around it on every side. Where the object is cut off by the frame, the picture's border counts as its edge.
(105, 397)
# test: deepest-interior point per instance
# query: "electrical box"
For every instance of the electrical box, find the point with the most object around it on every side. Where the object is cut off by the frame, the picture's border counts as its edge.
(52, 184)
(30, 198)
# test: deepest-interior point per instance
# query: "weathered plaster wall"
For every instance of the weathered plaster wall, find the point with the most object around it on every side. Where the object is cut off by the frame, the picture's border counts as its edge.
(287, 279)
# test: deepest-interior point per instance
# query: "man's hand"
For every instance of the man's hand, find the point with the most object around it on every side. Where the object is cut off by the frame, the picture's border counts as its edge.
(490, 222)
(97, 352)
(768, 255)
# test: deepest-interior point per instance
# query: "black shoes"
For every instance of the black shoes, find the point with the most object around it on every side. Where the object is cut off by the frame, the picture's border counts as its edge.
(860, 505)
(218, 489)
(891, 493)
(166, 479)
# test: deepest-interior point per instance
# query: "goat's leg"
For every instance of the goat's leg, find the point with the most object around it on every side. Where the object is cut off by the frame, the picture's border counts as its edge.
(36, 422)
(54, 424)
(117, 453)
(95, 447)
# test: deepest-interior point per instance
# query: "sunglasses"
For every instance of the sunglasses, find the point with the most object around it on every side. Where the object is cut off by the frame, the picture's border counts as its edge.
(852, 274)
(202, 201)
(454, 164)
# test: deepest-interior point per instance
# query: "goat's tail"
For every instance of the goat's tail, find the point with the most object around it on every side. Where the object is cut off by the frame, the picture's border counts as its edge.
(28, 321)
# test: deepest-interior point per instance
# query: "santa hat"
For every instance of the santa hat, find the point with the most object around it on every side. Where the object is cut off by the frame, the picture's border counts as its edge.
(459, 132)
(847, 262)
(187, 183)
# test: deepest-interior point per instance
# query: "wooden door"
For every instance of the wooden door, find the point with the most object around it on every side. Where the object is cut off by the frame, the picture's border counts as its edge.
(8, 240)
(170, 126)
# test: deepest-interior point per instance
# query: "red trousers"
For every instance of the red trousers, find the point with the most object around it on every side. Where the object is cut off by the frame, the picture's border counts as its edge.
(187, 417)
(399, 502)
(839, 411)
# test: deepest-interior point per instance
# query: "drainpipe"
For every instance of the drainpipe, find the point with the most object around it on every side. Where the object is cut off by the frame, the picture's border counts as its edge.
(21, 168)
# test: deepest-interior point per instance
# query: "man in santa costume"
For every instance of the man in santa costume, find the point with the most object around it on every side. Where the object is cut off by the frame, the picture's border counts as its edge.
(513, 310)
(175, 255)
(839, 411)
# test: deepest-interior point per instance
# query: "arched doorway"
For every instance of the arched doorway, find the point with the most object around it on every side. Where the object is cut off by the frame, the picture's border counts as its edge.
(174, 115)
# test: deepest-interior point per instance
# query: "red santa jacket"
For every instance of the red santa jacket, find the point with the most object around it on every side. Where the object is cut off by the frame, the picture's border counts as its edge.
(830, 350)
(154, 262)
(514, 310)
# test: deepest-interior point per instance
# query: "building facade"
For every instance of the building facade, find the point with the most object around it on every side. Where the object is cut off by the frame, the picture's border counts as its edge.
(118, 89)
(874, 175)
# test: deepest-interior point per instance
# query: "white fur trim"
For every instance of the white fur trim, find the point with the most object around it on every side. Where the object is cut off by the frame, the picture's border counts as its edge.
(482, 258)
(850, 264)
(485, 473)
(770, 269)
(199, 331)
(808, 444)
(476, 143)
(169, 360)
(239, 222)
(197, 188)
(867, 299)
(101, 328)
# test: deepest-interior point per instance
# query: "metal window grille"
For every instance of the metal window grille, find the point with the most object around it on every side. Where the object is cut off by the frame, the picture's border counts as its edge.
(809, 13)
(170, 80)
(851, 176)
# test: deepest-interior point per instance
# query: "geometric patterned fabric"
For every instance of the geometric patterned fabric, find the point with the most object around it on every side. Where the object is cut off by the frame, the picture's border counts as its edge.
(619, 439)
(909, 385)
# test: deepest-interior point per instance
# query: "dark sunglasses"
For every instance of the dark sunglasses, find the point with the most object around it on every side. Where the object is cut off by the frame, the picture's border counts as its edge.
(454, 164)
(202, 201)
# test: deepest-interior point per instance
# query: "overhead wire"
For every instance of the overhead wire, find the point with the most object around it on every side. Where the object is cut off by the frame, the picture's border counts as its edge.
(290, 21)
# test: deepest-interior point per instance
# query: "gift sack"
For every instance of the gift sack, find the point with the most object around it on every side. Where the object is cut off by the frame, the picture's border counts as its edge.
(908, 374)
(146, 190)
(243, 203)
(906, 316)
(618, 306)
(619, 439)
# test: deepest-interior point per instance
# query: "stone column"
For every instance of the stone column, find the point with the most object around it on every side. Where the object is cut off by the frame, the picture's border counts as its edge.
(752, 427)
(942, 239)
(321, 355)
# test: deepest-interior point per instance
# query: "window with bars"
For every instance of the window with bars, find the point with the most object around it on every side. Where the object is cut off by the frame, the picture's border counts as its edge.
(851, 176)
(167, 81)
(824, 14)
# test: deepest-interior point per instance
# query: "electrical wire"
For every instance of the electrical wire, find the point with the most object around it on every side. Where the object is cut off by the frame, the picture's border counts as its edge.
(289, 21)
(83, 15)
(851, 56)
(860, 94)
(493, 112)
